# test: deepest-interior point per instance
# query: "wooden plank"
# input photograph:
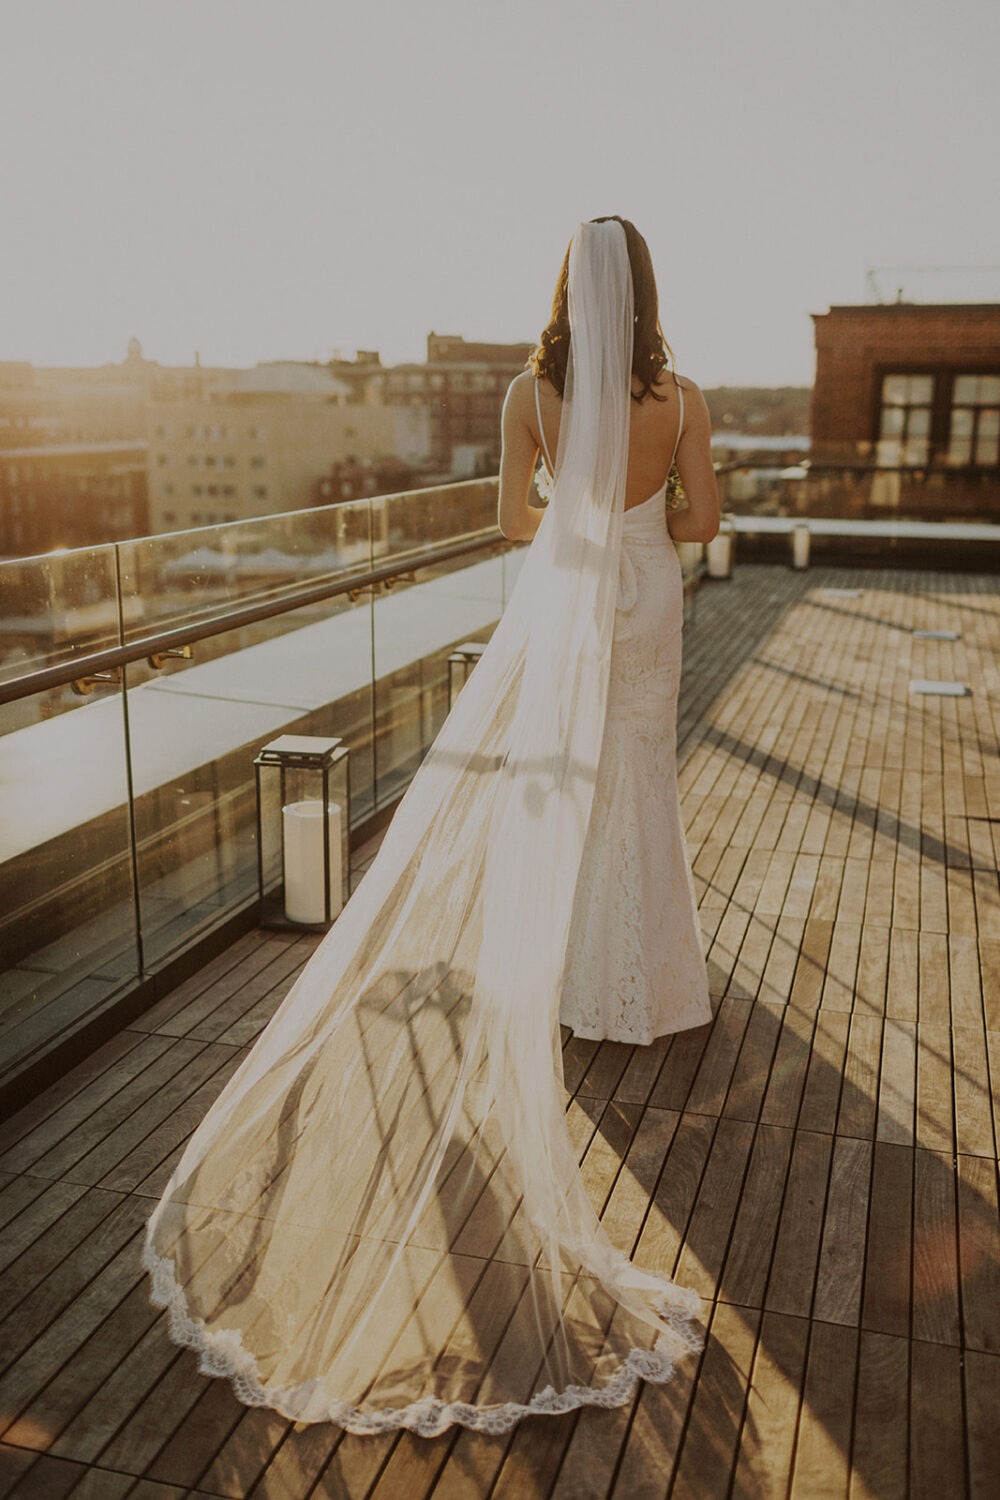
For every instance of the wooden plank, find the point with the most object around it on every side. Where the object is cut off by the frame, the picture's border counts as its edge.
(934, 1114)
(982, 1402)
(937, 1447)
(175, 1433)
(764, 1462)
(779, 971)
(670, 1209)
(748, 1258)
(810, 971)
(973, 1104)
(886, 1304)
(41, 1362)
(873, 970)
(711, 1082)
(788, 1071)
(897, 1082)
(862, 1065)
(707, 1237)
(840, 1271)
(793, 1272)
(55, 1295)
(107, 1066)
(979, 1252)
(842, 967)
(52, 1247)
(167, 1062)
(753, 1064)
(824, 1076)
(711, 1437)
(881, 1419)
(902, 985)
(95, 1357)
(823, 1442)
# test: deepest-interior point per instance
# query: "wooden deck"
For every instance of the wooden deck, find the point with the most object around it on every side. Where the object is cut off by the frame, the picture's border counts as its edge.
(820, 1162)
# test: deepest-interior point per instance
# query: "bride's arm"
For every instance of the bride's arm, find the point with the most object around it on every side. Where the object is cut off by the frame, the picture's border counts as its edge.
(699, 522)
(516, 518)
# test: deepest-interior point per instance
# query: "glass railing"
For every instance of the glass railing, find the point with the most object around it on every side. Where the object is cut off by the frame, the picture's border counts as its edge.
(127, 804)
(860, 492)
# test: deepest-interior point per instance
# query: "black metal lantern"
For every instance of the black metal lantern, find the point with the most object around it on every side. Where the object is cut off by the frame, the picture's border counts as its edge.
(460, 664)
(303, 831)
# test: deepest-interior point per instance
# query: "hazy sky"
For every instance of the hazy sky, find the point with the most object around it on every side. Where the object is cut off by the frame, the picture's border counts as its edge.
(263, 180)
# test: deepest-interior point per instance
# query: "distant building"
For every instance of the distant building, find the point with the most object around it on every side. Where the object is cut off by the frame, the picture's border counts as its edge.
(912, 386)
(462, 387)
(71, 495)
(257, 442)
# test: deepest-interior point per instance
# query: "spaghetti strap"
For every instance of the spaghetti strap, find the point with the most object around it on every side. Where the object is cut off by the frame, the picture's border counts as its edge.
(680, 419)
(541, 431)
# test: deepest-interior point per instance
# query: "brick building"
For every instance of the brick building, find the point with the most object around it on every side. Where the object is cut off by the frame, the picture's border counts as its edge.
(56, 495)
(913, 387)
(462, 386)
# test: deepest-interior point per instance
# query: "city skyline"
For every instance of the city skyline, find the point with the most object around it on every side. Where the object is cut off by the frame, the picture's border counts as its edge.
(259, 183)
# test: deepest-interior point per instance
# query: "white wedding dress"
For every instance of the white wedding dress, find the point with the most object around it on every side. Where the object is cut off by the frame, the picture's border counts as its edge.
(635, 967)
(381, 1222)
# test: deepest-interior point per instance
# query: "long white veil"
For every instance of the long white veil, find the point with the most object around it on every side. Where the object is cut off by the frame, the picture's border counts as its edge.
(381, 1222)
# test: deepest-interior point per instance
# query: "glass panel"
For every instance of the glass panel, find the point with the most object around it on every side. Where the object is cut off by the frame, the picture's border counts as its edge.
(961, 422)
(196, 727)
(893, 418)
(918, 422)
(989, 389)
(406, 525)
(192, 576)
(960, 450)
(966, 390)
(54, 608)
(67, 914)
(986, 449)
(888, 453)
(989, 422)
(417, 625)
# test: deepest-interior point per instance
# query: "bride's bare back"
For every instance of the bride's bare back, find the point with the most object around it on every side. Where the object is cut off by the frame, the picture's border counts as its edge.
(652, 439)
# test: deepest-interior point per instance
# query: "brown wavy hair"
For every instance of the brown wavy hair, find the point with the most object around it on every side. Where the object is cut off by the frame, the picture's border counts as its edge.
(650, 350)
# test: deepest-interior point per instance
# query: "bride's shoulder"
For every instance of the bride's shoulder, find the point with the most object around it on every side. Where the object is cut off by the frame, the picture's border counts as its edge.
(521, 387)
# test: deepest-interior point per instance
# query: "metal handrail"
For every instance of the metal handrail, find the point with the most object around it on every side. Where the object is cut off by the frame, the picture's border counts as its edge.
(112, 658)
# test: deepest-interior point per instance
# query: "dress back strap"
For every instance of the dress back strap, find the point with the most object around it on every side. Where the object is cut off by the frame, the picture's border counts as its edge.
(680, 419)
(541, 430)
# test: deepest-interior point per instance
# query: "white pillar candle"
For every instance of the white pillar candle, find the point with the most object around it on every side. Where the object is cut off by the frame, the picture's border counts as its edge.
(303, 835)
(800, 546)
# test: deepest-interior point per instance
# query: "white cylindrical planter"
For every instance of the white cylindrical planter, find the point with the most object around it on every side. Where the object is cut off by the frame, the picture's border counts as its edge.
(800, 546)
(719, 552)
(304, 862)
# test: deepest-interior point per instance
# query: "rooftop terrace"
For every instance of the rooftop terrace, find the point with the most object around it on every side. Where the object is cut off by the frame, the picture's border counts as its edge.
(820, 1162)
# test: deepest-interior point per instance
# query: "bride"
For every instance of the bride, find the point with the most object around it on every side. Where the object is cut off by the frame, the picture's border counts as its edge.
(381, 1221)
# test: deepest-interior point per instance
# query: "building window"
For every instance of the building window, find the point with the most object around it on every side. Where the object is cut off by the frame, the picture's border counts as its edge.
(260, 491)
(905, 420)
(162, 460)
(169, 517)
(257, 463)
(974, 434)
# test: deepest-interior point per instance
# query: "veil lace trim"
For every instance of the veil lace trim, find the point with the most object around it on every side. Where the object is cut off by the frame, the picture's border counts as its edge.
(222, 1355)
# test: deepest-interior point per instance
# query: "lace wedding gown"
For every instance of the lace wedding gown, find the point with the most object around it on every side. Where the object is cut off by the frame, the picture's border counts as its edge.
(382, 1222)
(635, 966)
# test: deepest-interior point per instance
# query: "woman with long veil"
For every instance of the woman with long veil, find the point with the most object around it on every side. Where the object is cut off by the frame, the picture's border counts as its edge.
(381, 1221)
